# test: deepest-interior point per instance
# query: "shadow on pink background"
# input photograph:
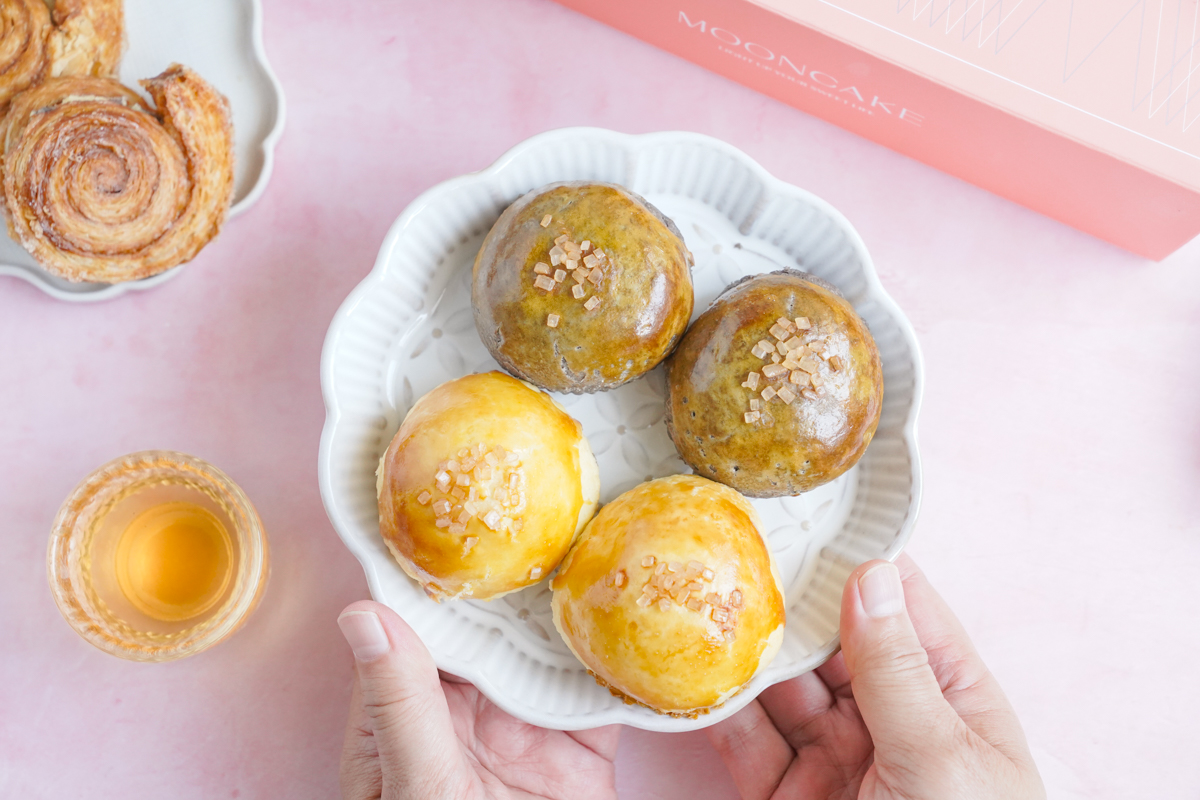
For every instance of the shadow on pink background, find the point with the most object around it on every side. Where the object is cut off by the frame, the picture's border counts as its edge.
(1060, 432)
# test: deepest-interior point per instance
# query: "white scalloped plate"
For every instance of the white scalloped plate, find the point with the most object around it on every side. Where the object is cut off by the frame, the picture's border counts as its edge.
(221, 40)
(408, 327)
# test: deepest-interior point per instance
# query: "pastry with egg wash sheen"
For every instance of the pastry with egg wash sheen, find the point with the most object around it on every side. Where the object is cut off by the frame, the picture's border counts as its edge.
(671, 597)
(581, 287)
(777, 388)
(484, 487)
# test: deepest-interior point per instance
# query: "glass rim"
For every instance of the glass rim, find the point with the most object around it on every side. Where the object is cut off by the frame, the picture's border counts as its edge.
(67, 531)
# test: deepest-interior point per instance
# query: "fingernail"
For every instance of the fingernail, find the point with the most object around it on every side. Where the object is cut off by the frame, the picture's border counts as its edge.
(365, 634)
(881, 591)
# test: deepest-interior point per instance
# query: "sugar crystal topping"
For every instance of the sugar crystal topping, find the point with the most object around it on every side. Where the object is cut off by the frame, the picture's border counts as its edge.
(480, 483)
(586, 265)
(688, 586)
(796, 361)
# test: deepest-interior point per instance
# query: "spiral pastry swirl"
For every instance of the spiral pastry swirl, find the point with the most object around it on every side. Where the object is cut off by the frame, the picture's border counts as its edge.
(99, 186)
(87, 38)
(24, 27)
(81, 37)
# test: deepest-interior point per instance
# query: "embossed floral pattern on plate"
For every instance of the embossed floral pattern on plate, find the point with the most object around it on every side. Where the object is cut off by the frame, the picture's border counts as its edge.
(408, 327)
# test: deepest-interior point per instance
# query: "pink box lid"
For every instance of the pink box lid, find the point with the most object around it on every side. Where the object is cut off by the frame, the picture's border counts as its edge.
(1121, 76)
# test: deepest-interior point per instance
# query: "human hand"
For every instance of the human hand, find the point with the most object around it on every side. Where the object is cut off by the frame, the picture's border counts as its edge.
(415, 734)
(906, 710)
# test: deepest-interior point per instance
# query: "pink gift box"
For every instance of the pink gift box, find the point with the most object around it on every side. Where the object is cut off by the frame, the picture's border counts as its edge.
(1083, 110)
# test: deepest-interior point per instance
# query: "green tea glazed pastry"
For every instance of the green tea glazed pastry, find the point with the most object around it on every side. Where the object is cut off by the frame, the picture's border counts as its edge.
(581, 287)
(776, 388)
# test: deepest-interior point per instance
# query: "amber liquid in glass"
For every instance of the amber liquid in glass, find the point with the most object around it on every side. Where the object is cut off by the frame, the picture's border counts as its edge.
(156, 555)
(174, 561)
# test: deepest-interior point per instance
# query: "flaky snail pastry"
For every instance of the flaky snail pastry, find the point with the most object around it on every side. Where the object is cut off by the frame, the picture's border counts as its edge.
(80, 37)
(99, 186)
(87, 38)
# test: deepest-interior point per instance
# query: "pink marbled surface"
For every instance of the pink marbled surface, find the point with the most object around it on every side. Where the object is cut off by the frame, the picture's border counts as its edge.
(1060, 432)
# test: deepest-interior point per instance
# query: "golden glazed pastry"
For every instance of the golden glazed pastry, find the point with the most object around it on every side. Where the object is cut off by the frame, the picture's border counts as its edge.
(83, 37)
(484, 487)
(100, 187)
(671, 597)
(581, 287)
(776, 388)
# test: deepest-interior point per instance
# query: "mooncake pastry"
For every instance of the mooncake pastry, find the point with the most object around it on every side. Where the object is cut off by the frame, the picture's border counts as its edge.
(777, 388)
(484, 487)
(581, 287)
(671, 597)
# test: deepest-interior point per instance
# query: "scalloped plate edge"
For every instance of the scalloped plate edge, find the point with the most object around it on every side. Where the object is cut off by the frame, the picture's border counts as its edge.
(624, 714)
(267, 147)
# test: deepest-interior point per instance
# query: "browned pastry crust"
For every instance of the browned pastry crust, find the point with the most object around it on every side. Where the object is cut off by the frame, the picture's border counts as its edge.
(645, 296)
(98, 186)
(24, 26)
(795, 446)
(694, 713)
(80, 37)
(87, 39)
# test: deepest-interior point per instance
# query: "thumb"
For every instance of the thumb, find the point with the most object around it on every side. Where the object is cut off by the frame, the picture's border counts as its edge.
(419, 753)
(895, 688)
